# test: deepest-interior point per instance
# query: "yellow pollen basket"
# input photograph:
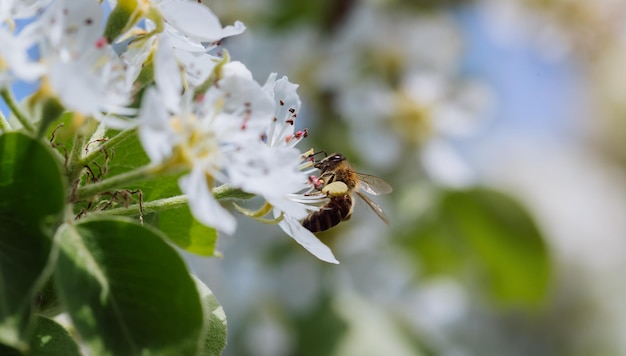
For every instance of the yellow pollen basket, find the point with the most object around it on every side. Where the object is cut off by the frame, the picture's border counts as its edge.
(334, 189)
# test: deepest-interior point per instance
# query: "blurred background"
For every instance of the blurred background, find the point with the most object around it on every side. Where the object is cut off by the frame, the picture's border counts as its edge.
(500, 125)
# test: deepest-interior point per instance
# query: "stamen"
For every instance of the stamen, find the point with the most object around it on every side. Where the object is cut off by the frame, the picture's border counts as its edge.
(258, 214)
(280, 134)
(262, 211)
(101, 42)
(305, 165)
(271, 221)
(316, 182)
(308, 154)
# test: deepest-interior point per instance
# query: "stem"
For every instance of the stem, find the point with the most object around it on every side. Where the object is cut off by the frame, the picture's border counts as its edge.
(150, 207)
(4, 123)
(12, 104)
(224, 191)
(227, 191)
(114, 182)
(73, 171)
(95, 153)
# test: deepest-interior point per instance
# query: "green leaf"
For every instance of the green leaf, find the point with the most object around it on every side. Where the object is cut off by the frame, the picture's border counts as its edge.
(51, 111)
(23, 164)
(48, 304)
(48, 339)
(215, 331)
(487, 237)
(123, 16)
(127, 291)
(186, 232)
(287, 13)
(177, 224)
(61, 132)
(51, 339)
(31, 201)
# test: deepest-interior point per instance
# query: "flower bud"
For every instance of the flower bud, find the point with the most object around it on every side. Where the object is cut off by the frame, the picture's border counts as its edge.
(124, 16)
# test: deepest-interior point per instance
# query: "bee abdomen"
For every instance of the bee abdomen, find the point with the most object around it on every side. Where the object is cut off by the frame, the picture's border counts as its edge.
(335, 211)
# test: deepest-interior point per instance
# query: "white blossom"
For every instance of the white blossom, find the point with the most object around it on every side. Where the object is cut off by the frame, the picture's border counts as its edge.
(207, 135)
(80, 67)
(291, 198)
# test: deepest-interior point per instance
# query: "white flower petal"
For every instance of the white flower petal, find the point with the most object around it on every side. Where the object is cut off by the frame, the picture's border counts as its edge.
(202, 204)
(233, 30)
(167, 76)
(304, 237)
(181, 41)
(77, 88)
(236, 69)
(247, 94)
(197, 21)
(26, 8)
(287, 92)
(154, 131)
(118, 123)
(198, 66)
(13, 52)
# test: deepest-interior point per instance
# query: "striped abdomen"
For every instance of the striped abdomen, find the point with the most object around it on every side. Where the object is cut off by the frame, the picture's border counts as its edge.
(339, 208)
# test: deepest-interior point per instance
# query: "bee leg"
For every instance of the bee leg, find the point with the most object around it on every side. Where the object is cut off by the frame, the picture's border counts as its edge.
(335, 189)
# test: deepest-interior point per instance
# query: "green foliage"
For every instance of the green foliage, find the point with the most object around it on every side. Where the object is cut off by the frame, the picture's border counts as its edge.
(31, 200)
(48, 339)
(48, 304)
(136, 293)
(324, 14)
(122, 17)
(485, 236)
(215, 331)
(51, 339)
(126, 290)
(51, 110)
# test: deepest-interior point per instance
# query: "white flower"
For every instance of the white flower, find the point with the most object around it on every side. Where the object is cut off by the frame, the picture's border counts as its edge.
(197, 66)
(15, 63)
(190, 26)
(206, 136)
(162, 135)
(450, 113)
(80, 67)
(195, 22)
(290, 197)
(14, 60)
(21, 9)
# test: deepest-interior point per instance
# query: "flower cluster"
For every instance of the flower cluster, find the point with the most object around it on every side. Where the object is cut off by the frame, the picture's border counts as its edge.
(156, 66)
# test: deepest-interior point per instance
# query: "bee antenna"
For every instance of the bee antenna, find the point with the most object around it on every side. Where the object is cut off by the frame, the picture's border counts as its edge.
(312, 156)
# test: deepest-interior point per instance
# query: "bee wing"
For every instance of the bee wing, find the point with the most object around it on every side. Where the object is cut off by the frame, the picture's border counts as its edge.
(373, 185)
(377, 209)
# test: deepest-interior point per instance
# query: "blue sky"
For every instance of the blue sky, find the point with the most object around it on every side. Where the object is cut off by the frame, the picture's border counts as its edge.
(532, 93)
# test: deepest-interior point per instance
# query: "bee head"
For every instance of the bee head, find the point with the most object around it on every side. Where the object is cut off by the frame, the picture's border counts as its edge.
(330, 162)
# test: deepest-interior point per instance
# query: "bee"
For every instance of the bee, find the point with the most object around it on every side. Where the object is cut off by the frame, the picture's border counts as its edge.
(338, 180)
